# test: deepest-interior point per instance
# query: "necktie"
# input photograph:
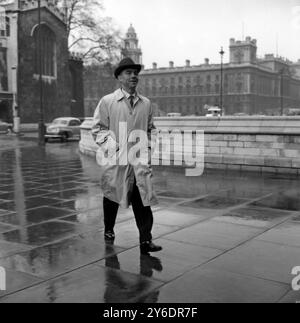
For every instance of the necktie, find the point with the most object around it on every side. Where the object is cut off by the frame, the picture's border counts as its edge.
(131, 100)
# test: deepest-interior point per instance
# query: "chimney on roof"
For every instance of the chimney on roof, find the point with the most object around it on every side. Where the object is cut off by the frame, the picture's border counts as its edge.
(206, 60)
(187, 63)
(171, 64)
(154, 66)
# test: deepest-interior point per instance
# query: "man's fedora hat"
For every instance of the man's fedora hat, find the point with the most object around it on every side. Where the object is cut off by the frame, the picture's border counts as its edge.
(125, 63)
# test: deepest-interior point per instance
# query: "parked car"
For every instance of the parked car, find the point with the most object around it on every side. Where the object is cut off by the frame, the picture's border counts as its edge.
(63, 129)
(174, 114)
(5, 127)
(293, 112)
(213, 112)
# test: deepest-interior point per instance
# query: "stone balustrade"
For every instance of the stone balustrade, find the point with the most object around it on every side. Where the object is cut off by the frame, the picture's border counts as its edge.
(261, 144)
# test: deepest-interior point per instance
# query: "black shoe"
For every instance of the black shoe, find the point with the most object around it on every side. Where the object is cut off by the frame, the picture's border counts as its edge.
(109, 236)
(149, 246)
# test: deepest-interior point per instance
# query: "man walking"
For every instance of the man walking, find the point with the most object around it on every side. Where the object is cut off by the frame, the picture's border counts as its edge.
(126, 183)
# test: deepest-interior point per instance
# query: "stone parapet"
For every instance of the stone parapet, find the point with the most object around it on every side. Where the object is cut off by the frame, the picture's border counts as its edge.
(260, 144)
(49, 4)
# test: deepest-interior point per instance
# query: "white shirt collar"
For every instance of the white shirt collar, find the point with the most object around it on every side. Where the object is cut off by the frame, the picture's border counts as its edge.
(129, 95)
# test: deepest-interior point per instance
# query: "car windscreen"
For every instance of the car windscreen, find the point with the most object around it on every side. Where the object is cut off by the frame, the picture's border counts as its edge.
(60, 122)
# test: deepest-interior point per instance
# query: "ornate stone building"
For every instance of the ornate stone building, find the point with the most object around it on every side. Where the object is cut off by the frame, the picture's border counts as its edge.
(250, 85)
(20, 69)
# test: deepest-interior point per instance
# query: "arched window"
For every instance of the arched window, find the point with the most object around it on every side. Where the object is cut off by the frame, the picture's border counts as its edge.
(48, 51)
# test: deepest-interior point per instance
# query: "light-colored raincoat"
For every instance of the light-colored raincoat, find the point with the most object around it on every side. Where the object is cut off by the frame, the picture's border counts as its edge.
(117, 180)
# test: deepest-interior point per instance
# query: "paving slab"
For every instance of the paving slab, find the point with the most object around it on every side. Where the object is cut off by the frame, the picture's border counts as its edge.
(34, 216)
(287, 200)
(9, 248)
(88, 285)
(213, 234)
(215, 202)
(285, 234)
(219, 286)
(176, 259)
(43, 233)
(16, 281)
(261, 259)
(254, 216)
(59, 257)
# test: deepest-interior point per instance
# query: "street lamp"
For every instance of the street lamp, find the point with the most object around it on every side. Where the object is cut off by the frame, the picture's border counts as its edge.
(41, 125)
(16, 118)
(281, 90)
(221, 88)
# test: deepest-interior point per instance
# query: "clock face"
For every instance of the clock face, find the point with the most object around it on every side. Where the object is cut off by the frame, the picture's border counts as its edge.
(239, 55)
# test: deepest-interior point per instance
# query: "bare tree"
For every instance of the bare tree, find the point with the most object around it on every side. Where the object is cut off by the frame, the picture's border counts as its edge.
(90, 32)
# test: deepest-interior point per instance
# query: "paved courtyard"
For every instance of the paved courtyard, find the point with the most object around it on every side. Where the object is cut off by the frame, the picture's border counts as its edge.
(227, 237)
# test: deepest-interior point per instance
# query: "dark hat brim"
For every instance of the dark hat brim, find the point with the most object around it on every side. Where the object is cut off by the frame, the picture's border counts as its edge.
(120, 69)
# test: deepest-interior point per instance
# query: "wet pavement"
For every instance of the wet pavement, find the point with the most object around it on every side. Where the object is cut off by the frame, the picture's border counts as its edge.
(227, 236)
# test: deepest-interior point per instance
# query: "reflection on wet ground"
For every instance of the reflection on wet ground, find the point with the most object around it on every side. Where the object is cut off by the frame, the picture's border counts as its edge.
(227, 237)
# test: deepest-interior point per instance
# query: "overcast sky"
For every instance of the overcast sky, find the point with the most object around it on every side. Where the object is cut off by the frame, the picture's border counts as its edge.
(194, 29)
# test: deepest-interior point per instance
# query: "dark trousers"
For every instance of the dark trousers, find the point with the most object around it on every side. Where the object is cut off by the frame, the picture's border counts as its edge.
(143, 215)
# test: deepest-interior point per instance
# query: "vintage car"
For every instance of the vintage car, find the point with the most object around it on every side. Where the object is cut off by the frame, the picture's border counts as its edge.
(213, 112)
(63, 129)
(5, 127)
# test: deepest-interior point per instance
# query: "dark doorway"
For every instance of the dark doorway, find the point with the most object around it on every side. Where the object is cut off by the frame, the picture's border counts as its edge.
(5, 111)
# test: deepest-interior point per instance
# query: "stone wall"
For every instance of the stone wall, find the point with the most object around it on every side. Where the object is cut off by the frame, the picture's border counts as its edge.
(260, 144)
(56, 91)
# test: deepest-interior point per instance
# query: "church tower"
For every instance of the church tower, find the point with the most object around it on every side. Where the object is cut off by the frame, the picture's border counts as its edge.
(131, 46)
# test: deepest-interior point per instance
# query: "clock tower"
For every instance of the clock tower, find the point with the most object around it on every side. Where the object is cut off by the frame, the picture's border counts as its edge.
(131, 46)
(243, 52)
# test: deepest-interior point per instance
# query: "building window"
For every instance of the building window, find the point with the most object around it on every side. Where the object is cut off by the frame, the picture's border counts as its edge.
(188, 89)
(3, 70)
(199, 80)
(48, 51)
(4, 26)
(239, 87)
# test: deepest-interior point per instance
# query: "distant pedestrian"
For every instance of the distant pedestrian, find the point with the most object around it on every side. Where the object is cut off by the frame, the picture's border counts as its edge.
(123, 185)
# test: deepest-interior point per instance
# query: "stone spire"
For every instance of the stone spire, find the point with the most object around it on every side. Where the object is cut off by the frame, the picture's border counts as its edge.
(131, 46)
